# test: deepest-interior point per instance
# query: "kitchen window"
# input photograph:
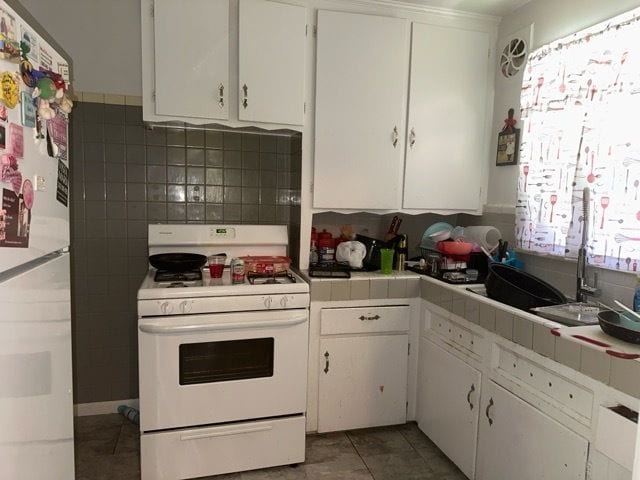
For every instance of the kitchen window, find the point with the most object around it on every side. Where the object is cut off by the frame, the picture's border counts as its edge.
(579, 105)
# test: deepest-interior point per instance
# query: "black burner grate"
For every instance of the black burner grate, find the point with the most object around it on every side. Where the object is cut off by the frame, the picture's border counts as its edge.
(270, 278)
(188, 276)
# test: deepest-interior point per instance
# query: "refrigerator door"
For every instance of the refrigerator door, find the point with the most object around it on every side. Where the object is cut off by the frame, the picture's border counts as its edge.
(36, 403)
(33, 184)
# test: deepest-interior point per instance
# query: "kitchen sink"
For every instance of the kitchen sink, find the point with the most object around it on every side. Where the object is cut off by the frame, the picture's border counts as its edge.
(571, 314)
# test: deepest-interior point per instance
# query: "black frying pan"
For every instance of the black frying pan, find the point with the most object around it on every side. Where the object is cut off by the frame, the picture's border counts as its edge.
(619, 326)
(177, 262)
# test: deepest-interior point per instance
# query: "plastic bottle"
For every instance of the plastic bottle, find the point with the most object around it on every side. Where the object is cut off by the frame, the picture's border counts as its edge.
(130, 413)
(313, 251)
(636, 296)
(326, 247)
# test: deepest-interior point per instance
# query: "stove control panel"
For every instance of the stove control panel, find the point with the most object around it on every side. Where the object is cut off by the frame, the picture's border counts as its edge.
(194, 306)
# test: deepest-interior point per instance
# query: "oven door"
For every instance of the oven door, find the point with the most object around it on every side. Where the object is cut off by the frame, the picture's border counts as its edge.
(205, 369)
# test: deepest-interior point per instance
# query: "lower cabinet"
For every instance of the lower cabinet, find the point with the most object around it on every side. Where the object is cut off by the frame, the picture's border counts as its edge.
(448, 404)
(363, 381)
(517, 441)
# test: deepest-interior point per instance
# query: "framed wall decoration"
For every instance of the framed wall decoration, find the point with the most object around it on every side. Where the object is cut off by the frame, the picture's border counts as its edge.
(508, 142)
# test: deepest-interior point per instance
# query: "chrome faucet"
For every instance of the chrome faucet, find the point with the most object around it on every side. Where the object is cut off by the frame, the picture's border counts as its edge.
(583, 289)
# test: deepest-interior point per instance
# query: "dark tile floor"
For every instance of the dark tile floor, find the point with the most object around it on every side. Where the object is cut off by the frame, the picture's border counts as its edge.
(107, 447)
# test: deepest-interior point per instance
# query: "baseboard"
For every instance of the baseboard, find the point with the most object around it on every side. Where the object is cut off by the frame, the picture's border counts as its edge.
(102, 408)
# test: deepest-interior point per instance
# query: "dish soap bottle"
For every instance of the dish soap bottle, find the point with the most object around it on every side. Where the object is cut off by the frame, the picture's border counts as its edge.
(636, 296)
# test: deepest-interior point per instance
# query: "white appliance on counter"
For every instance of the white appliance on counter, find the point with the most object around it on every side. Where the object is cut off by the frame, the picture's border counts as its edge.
(222, 367)
(36, 401)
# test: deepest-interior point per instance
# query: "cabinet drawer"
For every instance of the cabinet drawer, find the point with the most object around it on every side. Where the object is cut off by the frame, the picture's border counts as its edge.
(548, 383)
(364, 320)
(204, 451)
(457, 334)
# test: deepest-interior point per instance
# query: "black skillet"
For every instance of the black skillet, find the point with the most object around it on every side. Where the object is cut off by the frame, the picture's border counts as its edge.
(177, 262)
(619, 326)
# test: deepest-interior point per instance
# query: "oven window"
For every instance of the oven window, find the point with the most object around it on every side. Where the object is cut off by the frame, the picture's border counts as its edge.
(211, 362)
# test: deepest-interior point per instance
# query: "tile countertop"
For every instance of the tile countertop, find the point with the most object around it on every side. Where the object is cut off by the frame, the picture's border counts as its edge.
(407, 274)
(535, 333)
(526, 329)
(365, 286)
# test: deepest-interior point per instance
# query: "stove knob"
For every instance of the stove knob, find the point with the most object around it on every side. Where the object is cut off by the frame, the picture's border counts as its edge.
(166, 308)
(267, 302)
(185, 307)
(283, 302)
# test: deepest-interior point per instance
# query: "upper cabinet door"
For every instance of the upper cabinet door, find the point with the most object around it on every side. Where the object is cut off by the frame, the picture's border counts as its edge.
(271, 62)
(447, 118)
(361, 85)
(192, 58)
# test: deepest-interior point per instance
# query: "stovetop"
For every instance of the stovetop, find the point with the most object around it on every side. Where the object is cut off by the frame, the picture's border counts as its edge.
(164, 276)
(215, 287)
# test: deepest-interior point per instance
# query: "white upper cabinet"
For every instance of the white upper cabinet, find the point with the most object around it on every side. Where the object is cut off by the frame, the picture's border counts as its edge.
(361, 92)
(234, 62)
(192, 58)
(271, 62)
(446, 132)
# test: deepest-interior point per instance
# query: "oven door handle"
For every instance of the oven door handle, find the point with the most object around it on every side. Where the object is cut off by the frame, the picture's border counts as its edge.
(212, 327)
(225, 433)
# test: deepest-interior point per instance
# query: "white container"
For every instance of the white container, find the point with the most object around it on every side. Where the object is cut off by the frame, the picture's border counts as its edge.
(485, 236)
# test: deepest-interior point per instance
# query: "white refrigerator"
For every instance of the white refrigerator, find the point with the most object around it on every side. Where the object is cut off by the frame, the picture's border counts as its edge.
(36, 401)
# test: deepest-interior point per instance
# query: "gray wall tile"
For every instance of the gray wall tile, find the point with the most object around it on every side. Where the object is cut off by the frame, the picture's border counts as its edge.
(125, 176)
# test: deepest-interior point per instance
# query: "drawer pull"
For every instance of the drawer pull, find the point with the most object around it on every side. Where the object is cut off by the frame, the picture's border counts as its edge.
(375, 317)
(486, 412)
(225, 433)
(326, 365)
(473, 389)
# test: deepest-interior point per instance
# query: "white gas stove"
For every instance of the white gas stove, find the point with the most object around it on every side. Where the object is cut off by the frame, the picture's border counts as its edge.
(222, 366)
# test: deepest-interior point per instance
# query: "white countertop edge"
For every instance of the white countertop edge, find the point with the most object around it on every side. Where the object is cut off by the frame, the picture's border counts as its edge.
(395, 275)
(462, 289)
(617, 345)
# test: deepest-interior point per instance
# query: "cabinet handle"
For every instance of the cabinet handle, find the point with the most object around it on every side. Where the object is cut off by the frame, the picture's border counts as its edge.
(326, 364)
(486, 412)
(473, 389)
(375, 317)
(395, 137)
(412, 138)
(221, 95)
(245, 100)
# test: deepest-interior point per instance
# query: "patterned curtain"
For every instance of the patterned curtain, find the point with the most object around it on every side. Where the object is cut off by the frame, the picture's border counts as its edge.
(580, 104)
